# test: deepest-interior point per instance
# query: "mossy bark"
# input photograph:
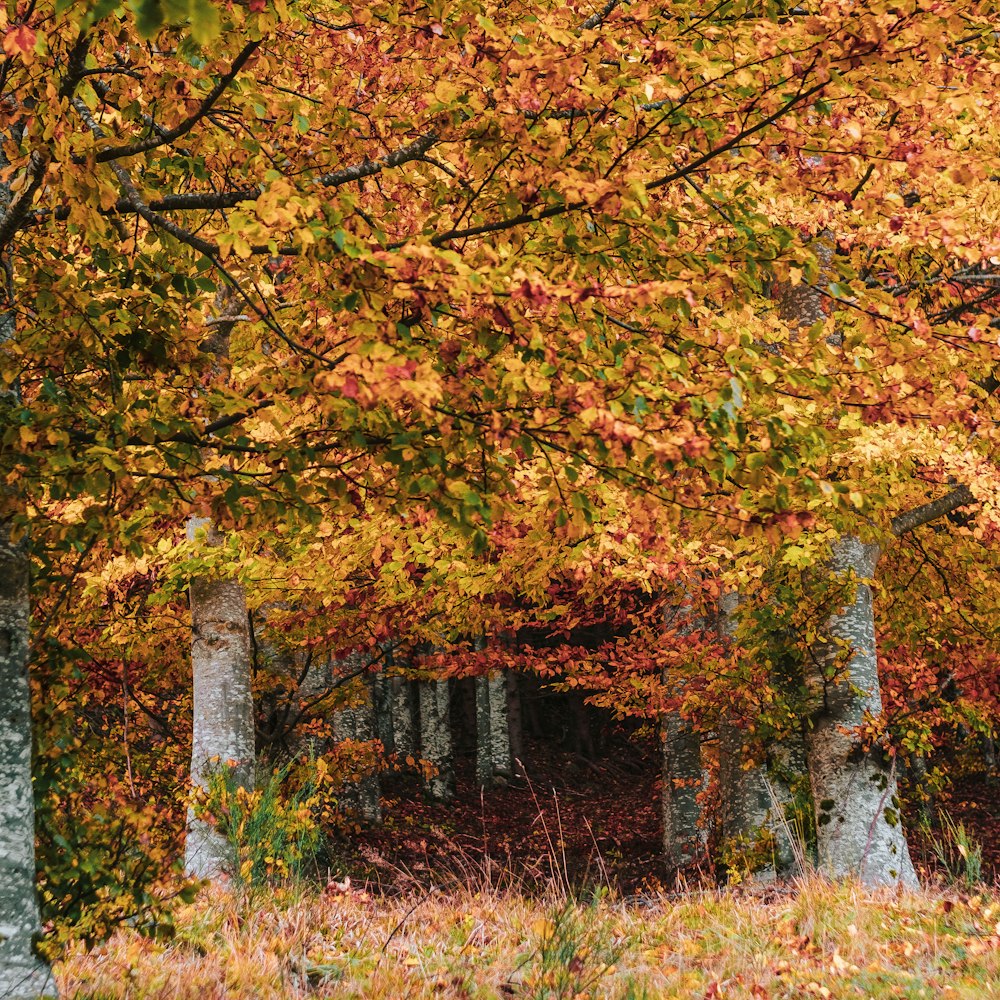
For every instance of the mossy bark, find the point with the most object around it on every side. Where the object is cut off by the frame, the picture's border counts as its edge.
(756, 796)
(859, 829)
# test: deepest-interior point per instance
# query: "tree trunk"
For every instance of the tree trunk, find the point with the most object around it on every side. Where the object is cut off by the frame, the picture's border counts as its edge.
(515, 727)
(582, 737)
(503, 765)
(435, 737)
(754, 797)
(683, 838)
(382, 692)
(223, 706)
(22, 973)
(484, 751)
(404, 716)
(858, 825)
(358, 723)
(493, 756)
(683, 775)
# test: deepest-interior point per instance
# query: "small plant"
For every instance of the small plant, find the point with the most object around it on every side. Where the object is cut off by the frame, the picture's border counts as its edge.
(273, 831)
(570, 956)
(745, 855)
(958, 852)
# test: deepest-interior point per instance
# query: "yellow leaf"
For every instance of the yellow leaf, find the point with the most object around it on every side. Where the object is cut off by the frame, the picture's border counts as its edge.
(542, 927)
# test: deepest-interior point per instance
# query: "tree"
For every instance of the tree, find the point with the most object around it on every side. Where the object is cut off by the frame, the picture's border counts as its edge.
(22, 973)
(548, 263)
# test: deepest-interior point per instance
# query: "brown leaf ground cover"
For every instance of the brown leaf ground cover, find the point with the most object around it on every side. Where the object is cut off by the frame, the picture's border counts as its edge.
(590, 823)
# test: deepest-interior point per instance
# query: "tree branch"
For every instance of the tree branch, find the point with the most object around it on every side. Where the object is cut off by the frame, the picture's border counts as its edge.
(20, 207)
(414, 151)
(598, 17)
(500, 225)
(168, 136)
(907, 521)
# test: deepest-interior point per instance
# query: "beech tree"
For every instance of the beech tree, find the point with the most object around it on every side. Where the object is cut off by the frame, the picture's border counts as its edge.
(542, 268)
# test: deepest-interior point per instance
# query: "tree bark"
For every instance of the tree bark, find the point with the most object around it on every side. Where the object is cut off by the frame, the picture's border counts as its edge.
(382, 697)
(754, 796)
(503, 764)
(22, 973)
(683, 775)
(858, 825)
(683, 837)
(435, 738)
(357, 722)
(484, 751)
(404, 715)
(515, 727)
(493, 756)
(223, 735)
(221, 664)
(859, 831)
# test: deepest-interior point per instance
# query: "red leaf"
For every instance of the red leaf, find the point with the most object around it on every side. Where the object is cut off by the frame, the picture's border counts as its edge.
(20, 41)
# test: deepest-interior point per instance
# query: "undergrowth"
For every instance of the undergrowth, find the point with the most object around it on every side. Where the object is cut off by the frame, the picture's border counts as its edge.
(814, 939)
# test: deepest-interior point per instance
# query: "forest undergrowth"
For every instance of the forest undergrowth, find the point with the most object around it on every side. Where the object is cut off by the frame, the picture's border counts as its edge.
(548, 889)
(582, 822)
(808, 939)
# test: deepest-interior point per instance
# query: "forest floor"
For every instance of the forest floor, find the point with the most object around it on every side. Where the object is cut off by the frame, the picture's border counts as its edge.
(810, 939)
(585, 824)
(552, 888)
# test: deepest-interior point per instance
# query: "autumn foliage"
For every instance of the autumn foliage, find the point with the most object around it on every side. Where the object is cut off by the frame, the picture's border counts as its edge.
(470, 321)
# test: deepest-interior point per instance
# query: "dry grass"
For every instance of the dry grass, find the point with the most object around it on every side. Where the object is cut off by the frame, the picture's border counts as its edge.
(814, 940)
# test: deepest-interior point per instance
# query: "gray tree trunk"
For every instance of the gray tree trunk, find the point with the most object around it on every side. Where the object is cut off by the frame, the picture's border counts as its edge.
(493, 756)
(859, 831)
(683, 836)
(358, 723)
(23, 974)
(223, 706)
(404, 715)
(515, 724)
(384, 728)
(858, 825)
(435, 737)
(754, 797)
(503, 764)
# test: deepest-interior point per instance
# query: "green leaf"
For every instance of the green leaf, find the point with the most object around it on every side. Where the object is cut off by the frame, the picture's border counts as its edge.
(205, 23)
(148, 17)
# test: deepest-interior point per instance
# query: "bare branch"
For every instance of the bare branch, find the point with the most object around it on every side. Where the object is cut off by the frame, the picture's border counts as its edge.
(598, 17)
